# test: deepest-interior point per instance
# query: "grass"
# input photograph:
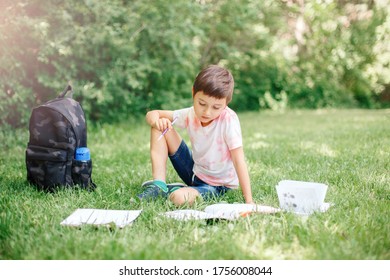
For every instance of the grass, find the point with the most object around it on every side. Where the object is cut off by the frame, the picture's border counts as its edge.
(349, 150)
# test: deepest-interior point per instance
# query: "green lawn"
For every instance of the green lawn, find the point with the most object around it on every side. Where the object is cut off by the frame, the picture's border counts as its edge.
(349, 150)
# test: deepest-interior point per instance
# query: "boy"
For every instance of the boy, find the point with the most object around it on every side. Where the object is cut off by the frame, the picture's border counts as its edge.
(216, 164)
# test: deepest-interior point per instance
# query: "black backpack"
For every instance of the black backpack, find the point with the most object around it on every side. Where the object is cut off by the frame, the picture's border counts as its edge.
(57, 128)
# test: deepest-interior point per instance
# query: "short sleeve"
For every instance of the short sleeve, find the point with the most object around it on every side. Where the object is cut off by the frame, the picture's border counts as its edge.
(182, 117)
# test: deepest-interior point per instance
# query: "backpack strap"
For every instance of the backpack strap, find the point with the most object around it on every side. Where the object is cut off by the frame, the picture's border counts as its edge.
(66, 90)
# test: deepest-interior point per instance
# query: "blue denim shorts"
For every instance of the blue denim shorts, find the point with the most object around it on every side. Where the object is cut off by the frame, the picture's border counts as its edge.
(183, 163)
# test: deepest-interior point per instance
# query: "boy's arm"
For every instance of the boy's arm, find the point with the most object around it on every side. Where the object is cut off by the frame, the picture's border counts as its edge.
(159, 119)
(242, 173)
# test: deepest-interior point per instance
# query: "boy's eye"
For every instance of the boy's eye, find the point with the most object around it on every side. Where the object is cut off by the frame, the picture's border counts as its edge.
(202, 104)
(216, 107)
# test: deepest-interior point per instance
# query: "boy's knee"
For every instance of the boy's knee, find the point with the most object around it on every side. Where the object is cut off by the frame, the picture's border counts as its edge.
(184, 196)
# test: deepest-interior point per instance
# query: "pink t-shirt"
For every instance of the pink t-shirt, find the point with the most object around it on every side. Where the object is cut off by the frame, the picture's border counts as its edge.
(211, 145)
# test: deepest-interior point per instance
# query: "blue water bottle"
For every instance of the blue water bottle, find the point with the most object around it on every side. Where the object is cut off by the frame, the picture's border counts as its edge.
(82, 154)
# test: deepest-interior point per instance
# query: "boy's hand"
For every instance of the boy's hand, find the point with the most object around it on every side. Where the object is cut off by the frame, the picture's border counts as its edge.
(162, 124)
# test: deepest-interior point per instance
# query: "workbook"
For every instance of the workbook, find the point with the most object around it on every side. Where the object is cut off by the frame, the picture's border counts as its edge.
(223, 211)
(119, 218)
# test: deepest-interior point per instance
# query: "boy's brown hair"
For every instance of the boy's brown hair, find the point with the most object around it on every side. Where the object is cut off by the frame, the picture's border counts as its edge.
(216, 82)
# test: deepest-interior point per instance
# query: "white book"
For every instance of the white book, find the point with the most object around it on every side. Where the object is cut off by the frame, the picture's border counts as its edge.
(221, 211)
(120, 218)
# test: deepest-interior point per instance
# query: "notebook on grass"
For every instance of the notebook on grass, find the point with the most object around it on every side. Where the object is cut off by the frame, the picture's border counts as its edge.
(119, 218)
(221, 211)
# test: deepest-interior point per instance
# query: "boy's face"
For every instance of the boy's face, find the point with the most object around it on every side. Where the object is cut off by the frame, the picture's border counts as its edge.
(208, 108)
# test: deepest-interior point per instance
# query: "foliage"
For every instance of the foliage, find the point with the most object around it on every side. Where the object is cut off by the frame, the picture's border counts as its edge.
(126, 57)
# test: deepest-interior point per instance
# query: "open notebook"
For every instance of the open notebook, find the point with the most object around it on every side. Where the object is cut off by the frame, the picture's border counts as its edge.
(119, 218)
(302, 197)
(224, 211)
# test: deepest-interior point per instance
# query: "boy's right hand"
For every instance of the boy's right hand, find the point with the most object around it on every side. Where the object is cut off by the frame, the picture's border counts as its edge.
(162, 124)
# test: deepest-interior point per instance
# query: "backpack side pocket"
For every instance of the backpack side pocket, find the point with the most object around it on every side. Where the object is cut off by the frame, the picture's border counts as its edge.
(81, 174)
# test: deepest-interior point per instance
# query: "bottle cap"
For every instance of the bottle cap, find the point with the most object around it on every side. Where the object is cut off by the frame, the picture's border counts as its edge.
(82, 154)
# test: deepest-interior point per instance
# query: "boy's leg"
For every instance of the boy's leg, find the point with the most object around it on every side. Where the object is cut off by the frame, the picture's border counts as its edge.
(159, 150)
(183, 163)
(198, 188)
(184, 195)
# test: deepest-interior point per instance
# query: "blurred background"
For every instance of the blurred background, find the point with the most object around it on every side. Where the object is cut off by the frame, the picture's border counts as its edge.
(127, 57)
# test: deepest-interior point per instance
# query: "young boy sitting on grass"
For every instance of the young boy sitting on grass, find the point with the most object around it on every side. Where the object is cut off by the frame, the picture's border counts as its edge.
(216, 163)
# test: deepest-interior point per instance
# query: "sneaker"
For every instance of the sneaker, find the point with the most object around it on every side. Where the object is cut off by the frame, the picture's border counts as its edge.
(156, 188)
(153, 189)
